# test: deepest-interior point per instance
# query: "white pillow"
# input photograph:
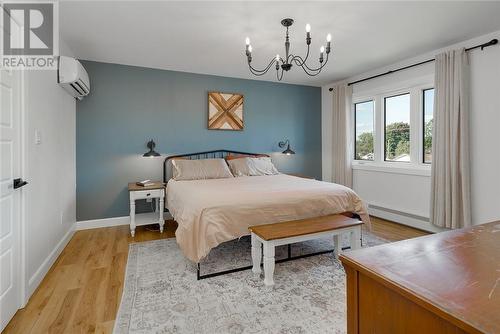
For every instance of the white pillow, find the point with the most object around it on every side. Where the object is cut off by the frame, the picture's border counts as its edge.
(252, 166)
(200, 169)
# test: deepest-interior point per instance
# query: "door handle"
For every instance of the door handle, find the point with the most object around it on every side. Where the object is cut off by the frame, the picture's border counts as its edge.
(18, 183)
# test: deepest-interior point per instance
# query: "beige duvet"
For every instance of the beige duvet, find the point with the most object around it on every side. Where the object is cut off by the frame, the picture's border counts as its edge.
(210, 212)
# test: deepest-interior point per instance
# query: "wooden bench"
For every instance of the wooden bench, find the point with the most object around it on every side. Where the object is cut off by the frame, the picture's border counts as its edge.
(286, 233)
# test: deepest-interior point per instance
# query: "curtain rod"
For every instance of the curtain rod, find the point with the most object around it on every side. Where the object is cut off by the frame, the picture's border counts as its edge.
(482, 46)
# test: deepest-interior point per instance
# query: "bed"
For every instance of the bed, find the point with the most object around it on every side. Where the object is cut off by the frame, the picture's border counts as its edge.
(212, 211)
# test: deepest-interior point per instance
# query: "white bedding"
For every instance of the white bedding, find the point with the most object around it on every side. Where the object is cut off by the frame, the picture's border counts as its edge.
(213, 211)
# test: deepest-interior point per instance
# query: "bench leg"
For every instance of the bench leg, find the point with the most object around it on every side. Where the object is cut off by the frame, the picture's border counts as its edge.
(336, 246)
(356, 238)
(256, 254)
(132, 218)
(268, 263)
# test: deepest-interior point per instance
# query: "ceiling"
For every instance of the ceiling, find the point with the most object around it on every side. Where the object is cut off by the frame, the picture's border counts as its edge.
(209, 37)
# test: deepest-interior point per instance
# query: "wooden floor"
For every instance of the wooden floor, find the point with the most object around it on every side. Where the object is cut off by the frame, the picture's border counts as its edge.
(392, 231)
(82, 291)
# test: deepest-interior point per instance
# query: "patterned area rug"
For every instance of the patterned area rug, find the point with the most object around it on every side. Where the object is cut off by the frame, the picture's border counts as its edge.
(161, 293)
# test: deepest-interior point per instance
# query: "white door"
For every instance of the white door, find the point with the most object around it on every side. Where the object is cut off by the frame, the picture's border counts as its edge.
(10, 198)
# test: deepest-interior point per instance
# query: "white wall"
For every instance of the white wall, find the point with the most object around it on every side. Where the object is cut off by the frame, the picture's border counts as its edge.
(50, 196)
(405, 197)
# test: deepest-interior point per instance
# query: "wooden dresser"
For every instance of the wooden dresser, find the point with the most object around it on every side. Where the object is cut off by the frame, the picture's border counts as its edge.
(443, 283)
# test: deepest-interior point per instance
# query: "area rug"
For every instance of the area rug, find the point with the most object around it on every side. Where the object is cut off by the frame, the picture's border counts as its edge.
(161, 293)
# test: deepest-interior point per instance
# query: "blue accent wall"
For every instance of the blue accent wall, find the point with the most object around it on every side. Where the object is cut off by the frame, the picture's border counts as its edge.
(129, 105)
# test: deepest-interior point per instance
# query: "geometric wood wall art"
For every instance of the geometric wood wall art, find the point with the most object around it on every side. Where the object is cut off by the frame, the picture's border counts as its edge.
(225, 111)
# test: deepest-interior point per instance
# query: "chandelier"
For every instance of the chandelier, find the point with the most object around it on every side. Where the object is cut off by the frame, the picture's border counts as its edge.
(285, 64)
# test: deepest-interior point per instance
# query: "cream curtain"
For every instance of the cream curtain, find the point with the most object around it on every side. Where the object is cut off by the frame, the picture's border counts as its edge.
(450, 192)
(341, 135)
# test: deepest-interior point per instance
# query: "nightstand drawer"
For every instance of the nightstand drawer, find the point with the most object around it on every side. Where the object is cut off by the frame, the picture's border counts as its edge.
(144, 194)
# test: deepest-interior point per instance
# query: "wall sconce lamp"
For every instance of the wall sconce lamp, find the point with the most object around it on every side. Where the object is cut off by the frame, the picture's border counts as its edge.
(288, 150)
(151, 153)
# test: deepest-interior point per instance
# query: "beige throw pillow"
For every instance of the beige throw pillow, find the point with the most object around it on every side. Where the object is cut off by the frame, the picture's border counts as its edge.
(200, 169)
(252, 166)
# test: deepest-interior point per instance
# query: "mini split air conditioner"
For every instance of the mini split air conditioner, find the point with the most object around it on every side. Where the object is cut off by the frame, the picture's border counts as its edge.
(73, 77)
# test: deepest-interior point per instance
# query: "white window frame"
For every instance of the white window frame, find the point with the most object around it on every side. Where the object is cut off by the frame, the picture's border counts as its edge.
(382, 128)
(354, 128)
(415, 88)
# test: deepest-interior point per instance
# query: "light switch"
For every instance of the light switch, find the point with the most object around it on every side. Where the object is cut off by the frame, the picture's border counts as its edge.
(38, 137)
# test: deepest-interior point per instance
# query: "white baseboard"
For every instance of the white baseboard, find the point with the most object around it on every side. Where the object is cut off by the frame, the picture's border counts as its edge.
(39, 275)
(108, 222)
(411, 220)
(98, 223)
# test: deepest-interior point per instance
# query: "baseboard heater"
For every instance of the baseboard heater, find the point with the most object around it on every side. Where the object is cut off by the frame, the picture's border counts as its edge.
(400, 213)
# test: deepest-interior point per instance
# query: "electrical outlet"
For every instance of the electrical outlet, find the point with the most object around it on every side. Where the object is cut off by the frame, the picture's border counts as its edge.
(38, 137)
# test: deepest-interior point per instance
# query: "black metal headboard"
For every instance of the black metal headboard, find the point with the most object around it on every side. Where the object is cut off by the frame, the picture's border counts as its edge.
(203, 155)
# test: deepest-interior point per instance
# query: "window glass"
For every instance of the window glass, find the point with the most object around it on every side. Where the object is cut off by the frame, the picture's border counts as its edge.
(364, 130)
(428, 123)
(397, 128)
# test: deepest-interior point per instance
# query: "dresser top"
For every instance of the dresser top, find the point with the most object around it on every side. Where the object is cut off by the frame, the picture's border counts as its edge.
(456, 273)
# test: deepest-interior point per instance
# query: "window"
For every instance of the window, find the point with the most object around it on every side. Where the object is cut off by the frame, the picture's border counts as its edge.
(363, 115)
(392, 127)
(397, 128)
(428, 103)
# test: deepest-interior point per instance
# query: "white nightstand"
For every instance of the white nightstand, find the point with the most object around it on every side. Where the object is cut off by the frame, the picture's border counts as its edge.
(138, 192)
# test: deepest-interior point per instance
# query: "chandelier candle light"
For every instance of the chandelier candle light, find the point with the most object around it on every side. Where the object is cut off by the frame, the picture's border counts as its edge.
(285, 64)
